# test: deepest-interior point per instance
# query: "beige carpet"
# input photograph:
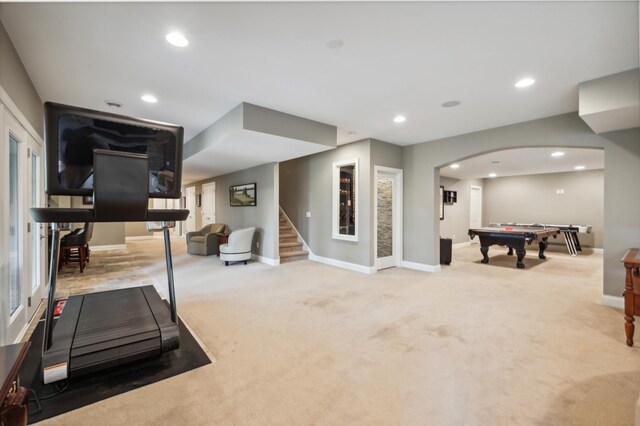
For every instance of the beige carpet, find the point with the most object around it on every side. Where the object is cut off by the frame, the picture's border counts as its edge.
(306, 343)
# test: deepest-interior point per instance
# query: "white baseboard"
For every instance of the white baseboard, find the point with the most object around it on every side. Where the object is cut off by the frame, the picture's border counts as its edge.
(597, 250)
(266, 260)
(111, 247)
(139, 238)
(421, 266)
(613, 301)
(344, 265)
(460, 245)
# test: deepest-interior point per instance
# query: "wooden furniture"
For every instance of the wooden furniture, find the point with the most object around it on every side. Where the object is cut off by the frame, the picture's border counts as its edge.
(222, 239)
(13, 410)
(514, 237)
(631, 262)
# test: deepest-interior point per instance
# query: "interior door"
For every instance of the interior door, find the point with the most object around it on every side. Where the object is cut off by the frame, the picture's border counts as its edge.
(36, 232)
(475, 207)
(208, 203)
(191, 205)
(15, 277)
(388, 217)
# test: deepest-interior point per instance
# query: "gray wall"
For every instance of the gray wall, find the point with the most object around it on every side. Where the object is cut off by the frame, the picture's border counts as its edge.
(533, 198)
(306, 186)
(16, 82)
(456, 216)
(621, 206)
(264, 216)
(621, 174)
(104, 234)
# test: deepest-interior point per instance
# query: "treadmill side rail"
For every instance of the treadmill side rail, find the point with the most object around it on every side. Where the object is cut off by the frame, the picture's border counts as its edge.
(169, 331)
(59, 353)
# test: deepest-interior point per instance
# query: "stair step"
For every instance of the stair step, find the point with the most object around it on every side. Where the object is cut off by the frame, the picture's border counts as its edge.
(288, 247)
(288, 235)
(286, 228)
(291, 244)
(293, 256)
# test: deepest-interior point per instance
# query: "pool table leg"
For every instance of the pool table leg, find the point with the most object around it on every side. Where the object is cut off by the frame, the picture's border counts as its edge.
(520, 252)
(543, 246)
(510, 252)
(484, 250)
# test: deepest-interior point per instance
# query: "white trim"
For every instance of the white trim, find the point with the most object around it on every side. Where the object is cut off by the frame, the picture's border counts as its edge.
(471, 188)
(398, 214)
(266, 260)
(463, 244)
(421, 266)
(22, 332)
(613, 301)
(109, 247)
(335, 200)
(15, 111)
(344, 265)
(300, 239)
(596, 250)
(139, 238)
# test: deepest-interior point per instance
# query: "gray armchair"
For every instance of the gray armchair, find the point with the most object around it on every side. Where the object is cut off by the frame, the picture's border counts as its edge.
(205, 241)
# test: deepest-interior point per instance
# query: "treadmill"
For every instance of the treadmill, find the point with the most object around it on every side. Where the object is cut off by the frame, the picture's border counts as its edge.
(122, 162)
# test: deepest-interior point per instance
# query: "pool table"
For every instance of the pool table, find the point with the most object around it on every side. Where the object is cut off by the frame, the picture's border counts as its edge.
(514, 237)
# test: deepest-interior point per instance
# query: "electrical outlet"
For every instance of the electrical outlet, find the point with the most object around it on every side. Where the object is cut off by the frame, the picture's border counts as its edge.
(258, 244)
(308, 214)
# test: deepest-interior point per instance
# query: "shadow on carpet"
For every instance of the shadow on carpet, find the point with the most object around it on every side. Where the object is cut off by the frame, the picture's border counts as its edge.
(84, 390)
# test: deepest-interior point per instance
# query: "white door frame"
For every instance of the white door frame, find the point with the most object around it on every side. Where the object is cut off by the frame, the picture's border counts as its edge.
(471, 188)
(190, 193)
(38, 232)
(203, 202)
(397, 176)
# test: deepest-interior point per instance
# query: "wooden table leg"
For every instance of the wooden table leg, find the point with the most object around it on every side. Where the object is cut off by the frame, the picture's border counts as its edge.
(629, 328)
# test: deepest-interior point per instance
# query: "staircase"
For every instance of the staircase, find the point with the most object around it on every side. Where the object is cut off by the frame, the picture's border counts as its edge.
(290, 248)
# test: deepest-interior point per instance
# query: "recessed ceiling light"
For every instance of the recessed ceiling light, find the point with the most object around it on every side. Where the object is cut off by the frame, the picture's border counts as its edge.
(113, 104)
(399, 119)
(351, 132)
(492, 175)
(177, 39)
(579, 168)
(525, 82)
(451, 104)
(335, 43)
(455, 166)
(149, 98)
(495, 162)
(557, 154)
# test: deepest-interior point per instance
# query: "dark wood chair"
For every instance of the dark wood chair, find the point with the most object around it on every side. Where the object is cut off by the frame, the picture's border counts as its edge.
(74, 247)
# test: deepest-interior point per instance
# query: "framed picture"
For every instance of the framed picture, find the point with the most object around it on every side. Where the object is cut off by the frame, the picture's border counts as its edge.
(441, 202)
(243, 195)
(87, 200)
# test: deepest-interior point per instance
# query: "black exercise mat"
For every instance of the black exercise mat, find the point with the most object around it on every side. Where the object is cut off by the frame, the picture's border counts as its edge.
(95, 387)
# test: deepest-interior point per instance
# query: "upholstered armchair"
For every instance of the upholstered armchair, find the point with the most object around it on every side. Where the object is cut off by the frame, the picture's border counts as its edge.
(205, 241)
(238, 248)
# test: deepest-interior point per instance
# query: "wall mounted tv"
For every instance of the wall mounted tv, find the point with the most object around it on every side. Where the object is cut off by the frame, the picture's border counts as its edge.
(72, 133)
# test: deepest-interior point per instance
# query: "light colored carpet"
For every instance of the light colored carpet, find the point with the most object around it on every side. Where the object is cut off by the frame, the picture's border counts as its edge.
(306, 343)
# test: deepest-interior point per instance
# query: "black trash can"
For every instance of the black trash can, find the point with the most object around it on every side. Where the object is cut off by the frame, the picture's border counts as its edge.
(445, 251)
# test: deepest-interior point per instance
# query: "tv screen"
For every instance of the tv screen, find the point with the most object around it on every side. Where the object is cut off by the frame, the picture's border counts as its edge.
(72, 133)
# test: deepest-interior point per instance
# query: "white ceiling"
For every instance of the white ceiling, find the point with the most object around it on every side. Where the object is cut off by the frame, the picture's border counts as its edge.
(397, 58)
(525, 161)
(242, 150)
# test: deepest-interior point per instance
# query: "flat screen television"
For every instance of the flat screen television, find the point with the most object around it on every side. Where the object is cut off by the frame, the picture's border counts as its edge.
(72, 133)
